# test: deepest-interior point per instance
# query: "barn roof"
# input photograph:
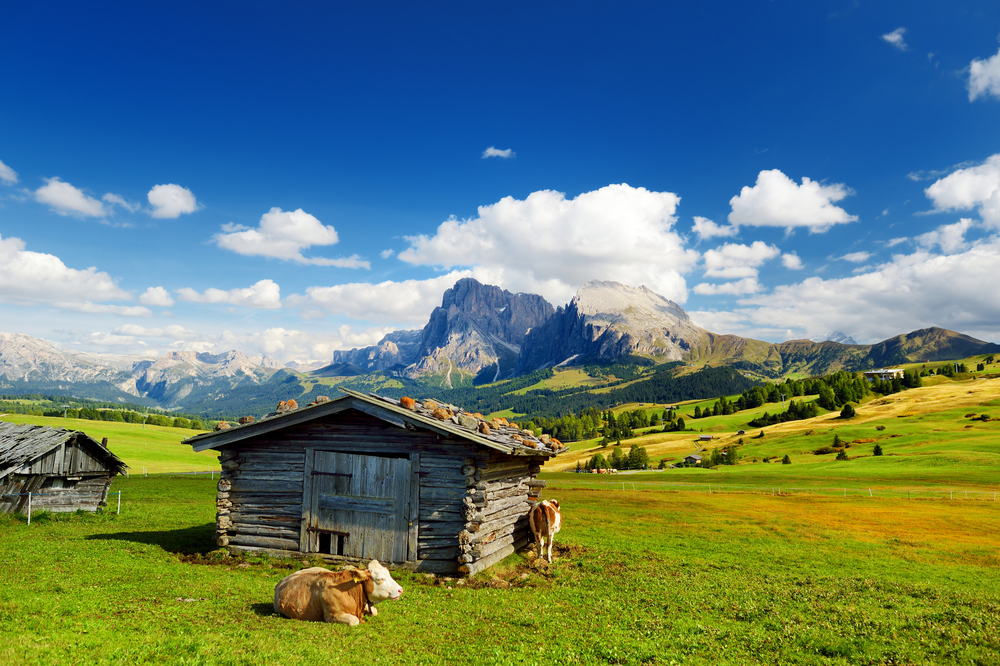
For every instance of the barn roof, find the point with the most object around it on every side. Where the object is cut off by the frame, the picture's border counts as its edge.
(20, 443)
(504, 438)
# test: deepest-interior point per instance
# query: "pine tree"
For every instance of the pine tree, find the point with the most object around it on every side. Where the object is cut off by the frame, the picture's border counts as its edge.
(847, 412)
(842, 455)
(877, 451)
(786, 460)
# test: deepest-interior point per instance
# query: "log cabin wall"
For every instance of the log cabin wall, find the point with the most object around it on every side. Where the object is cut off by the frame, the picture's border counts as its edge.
(472, 502)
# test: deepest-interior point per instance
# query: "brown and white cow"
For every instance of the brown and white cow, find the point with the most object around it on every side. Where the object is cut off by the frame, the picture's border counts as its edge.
(319, 595)
(545, 520)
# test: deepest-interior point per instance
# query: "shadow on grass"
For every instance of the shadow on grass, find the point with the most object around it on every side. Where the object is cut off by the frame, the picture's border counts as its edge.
(264, 610)
(187, 541)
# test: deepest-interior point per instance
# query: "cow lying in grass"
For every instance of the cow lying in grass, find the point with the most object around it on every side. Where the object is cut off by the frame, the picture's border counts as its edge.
(545, 520)
(320, 595)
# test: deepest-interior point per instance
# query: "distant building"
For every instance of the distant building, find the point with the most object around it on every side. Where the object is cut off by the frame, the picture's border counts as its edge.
(885, 374)
(692, 459)
(705, 438)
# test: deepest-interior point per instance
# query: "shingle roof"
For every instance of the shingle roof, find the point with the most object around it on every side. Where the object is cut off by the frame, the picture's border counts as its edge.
(21, 443)
(432, 414)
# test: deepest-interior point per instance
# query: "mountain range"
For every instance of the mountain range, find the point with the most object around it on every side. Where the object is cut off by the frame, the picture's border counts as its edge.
(480, 334)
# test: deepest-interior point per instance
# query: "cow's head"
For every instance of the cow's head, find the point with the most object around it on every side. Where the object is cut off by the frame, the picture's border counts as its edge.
(554, 503)
(385, 586)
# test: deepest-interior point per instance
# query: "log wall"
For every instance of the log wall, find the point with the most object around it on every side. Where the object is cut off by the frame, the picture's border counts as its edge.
(473, 501)
(87, 493)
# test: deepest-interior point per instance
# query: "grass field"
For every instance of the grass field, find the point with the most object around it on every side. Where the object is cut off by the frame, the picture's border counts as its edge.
(157, 448)
(649, 577)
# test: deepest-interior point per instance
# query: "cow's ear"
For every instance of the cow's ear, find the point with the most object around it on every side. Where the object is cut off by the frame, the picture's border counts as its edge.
(554, 503)
(360, 575)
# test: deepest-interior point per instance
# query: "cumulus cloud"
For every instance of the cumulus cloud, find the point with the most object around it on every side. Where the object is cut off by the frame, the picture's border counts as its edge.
(896, 39)
(172, 332)
(7, 175)
(969, 188)
(734, 260)
(385, 254)
(949, 237)
(856, 257)
(409, 301)
(984, 78)
(745, 286)
(88, 307)
(265, 294)
(30, 278)
(706, 228)
(284, 235)
(119, 200)
(777, 201)
(616, 233)
(496, 152)
(791, 261)
(65, 199)
(157, 296)
(909, 292)
(170, 201)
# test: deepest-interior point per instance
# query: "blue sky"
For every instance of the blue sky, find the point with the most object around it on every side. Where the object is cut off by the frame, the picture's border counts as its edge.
(295, 178)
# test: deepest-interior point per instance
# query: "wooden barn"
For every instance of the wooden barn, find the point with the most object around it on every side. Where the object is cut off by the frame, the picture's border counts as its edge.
(418, 484)
(64, 470)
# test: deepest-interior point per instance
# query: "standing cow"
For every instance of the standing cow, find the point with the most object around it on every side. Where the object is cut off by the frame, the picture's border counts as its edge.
(319, 595)
(545, 520)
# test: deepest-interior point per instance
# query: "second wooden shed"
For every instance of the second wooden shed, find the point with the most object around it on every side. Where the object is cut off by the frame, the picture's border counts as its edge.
(418, 484)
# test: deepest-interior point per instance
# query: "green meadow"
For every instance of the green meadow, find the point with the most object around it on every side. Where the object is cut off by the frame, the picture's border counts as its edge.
(683, 566)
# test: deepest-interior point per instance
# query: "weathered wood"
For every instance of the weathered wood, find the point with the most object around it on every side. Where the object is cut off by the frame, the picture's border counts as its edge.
(441, 493)
(414, 509)
(436, 528)
(472, 568)
(482, 550)
(273, 477)
(467, 470)
(264, 486)
(264, 530)
(448, 553)
(479, 531)
(498, 509)
(265, 519)
(263, 542)
(429, 516)
(256, 506)
(535, 483)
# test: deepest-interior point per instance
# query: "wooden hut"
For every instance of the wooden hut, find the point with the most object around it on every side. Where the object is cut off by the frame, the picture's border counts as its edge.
(418, 484)
(64, 470)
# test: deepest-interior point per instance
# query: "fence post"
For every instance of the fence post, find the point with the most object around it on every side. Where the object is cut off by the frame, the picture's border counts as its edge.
(951, 494)
(966, 494)
(119, 503)
(710, 489)
(29, 508)
(845, 492)
(633, 485)
(870, 493)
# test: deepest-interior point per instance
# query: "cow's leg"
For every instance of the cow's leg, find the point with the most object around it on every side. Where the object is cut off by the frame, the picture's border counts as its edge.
(541, 545)
(372, 610)
(551, 539)
(341, 618)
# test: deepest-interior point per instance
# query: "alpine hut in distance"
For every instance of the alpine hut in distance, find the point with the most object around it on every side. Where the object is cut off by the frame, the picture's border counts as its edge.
(64, 470)
(419, 484)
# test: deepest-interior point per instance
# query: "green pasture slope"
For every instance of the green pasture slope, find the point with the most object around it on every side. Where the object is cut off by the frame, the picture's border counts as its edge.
(157, 448)
(648, 578)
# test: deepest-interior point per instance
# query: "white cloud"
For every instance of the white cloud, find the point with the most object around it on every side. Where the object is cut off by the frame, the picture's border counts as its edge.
(119, 200)
(733, 260)
(896, 39)
(283, 235)
(550, 245)
(972, 187)
(87, 307)
(776, 201)
(791, 261)
(170, 201)
(896, 241)
(265, 294)
(409, 301)
(496, 152)
(706, 228)
(910, 292)
(984, 77)
(385, 254)
(950, 237)
(745, 286)
(172, 332)
(7, 175)
(157, 296)
(856, 257)
(65, 199)
(30, 278)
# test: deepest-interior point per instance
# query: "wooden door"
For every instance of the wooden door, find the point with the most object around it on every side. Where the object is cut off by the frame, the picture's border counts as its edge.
(359, 506)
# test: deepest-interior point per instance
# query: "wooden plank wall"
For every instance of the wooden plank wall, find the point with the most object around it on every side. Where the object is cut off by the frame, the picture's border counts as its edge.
(473, 502)
(69, 459)
(88, 494)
